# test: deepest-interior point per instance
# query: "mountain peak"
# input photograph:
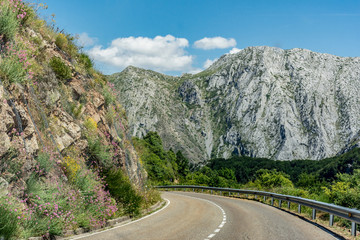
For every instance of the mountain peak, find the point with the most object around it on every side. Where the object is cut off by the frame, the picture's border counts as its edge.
(262, 101)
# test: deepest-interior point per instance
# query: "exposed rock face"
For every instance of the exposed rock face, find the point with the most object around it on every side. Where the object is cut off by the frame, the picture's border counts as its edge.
(3, 187)
(50, 117)
(262, 101)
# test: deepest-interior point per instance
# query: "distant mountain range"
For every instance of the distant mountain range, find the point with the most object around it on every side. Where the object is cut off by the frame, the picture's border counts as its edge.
(260, 102)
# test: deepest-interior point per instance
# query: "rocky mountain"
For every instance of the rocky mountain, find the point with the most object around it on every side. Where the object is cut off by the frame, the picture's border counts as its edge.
(260, 102)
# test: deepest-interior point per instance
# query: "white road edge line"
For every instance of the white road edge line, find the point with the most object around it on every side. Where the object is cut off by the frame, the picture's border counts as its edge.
(110, 229)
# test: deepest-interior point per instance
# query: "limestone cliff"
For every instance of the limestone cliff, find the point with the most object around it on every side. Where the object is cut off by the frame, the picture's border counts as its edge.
(260, 102)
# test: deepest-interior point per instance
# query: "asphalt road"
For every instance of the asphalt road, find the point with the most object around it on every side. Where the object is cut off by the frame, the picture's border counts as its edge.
(201, 216)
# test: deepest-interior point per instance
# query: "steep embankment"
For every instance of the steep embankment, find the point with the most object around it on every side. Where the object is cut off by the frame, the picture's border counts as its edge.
(66, 158)
(260, 102)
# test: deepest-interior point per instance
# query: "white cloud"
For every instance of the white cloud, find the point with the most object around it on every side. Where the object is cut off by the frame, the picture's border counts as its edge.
(208, 63)
(215, 42)
(234, 50)
(85, 40)
(162, 53)
(196, 70)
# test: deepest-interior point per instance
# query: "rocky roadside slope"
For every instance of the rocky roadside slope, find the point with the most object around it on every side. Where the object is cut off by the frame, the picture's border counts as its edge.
(66, 156)
(260, 102)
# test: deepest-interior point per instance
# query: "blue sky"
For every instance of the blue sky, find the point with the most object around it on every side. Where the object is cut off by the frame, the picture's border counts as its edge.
(177, 36)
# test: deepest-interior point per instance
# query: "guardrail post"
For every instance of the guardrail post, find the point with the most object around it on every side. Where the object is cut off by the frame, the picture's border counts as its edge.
(202, 190)
(280, 202)
(229, 194)
(353, 228)
(193, 189)
(247, 195)
(264, 198)
(238, 194)
(331, 220)
(289, 204)
(220, 193)
(313, 213)
(272, 201)
(255, 196)
(299, 208)
(211, 192)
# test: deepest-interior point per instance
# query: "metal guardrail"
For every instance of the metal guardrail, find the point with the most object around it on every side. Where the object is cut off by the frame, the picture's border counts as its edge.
(350, 214)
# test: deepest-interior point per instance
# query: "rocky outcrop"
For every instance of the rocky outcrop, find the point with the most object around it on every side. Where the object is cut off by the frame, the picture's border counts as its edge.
(260, 102)
(50, 117)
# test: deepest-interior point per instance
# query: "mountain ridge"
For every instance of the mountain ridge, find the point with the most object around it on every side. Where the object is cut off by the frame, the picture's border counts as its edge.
(261, 102)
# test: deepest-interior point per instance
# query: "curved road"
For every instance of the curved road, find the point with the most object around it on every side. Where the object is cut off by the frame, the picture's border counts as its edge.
(201, 216)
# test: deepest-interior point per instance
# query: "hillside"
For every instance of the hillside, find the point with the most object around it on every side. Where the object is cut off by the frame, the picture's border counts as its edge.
(260, 102)
(66, 156)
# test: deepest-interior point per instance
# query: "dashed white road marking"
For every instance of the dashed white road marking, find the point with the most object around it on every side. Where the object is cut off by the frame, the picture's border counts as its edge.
(211, 235)
(222, 211)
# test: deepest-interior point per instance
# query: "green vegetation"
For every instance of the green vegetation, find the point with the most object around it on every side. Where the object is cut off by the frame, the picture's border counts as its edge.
(122, 190)
(8, 219)
(8, 22)
(334, 180)
(160, 165)
(85, 61)
(61, 70)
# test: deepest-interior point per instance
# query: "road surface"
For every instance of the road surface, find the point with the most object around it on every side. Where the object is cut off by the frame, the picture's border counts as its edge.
(204, 217)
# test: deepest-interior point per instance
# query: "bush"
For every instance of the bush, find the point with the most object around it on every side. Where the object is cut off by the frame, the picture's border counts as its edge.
(122, 190)
(90, 124)
(268, 179)
(108, 96)
(8, 23)
(61, 70)
(99, 152)
(109, 116)
(43, 160)
(85, 61)
(8, 222)
(71, 168)
(61, 41)
(76, 110)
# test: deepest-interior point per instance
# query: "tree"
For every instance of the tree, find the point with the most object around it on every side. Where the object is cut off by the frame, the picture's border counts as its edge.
(183, 164)
(267, 179)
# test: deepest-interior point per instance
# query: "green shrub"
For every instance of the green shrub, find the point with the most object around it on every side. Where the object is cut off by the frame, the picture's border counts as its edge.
(43, 160)
(61, 70)
(76, 110)
(8, 221)
(110, 115)
(85, 61)
(90, 125)
(268, 179)
(108, 97)
(122, 190)
(99, 152)
(8, 23)
(61, 41)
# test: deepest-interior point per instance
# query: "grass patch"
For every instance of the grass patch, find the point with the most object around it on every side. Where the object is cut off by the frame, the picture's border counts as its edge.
(8, 221)
(8, 22)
